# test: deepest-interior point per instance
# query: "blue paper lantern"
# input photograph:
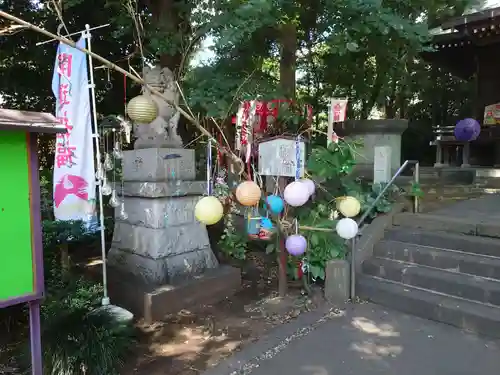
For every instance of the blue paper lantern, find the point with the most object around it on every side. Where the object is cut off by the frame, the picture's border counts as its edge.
(467, 130)
(275, 204)
(266, 223)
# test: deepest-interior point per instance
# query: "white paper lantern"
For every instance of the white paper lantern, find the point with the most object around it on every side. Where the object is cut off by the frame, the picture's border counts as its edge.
(142, 109)
(310, 185)
(347, 228)
(348, 206)
(296, 194)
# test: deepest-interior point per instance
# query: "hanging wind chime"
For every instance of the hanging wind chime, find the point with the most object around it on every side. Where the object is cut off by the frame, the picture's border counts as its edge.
(113, 159)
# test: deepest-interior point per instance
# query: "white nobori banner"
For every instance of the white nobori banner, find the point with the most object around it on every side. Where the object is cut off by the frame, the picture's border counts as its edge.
(337, 109)
(74, 173)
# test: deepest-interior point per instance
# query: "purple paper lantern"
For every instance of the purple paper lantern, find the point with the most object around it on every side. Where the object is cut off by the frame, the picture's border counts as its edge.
(467, 130)
(296, 244)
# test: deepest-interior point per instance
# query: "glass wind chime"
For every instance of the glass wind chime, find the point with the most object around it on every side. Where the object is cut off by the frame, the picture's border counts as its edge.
(112, 166)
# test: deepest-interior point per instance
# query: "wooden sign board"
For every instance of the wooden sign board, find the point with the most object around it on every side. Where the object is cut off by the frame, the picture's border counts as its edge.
(277, 157)
(492, 114)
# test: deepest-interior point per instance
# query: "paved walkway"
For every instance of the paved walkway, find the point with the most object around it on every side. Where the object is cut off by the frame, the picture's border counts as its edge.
(366, 339)
(482, 209)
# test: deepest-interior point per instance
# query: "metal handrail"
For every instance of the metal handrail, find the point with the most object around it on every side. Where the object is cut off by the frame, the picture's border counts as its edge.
(416, 177)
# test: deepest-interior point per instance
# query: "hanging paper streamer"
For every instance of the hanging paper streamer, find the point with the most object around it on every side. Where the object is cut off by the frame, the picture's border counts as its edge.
(297, 158)
(209, 165)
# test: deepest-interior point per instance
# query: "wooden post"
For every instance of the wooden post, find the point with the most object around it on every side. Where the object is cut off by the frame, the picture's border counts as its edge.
(282, 255)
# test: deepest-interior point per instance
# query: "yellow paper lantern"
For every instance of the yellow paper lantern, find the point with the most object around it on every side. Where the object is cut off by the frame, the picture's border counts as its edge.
(142, 109)
(248, 193)
(348, 206)
(208, 210)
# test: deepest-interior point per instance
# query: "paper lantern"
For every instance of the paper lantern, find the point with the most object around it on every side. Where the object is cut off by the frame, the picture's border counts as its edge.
(266, 223)
(467, 130)
(296, 194)
(348, 206)
(310, 185)
(208, 210)
(275, 204)
(296, 244)
(248, 193)
(142, 109)
(347, 228)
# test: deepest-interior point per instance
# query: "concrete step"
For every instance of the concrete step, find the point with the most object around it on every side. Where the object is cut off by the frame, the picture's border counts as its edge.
(468, 315)
(446, 240)
(447, 223)
(457, 284)
(445, 259)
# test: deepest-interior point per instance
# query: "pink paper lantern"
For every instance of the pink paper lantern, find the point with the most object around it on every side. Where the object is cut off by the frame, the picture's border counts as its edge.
(296, 194)
(310, 185)
(296, 244)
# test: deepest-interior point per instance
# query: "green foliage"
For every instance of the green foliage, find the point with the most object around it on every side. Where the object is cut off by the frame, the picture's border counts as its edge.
(77, 338)
(331, 167)
(416, 190)
(233, 243)
(82, 341)
(322, 246)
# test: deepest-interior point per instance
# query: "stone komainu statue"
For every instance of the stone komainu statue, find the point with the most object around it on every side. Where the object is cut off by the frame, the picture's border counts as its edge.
(162, 132)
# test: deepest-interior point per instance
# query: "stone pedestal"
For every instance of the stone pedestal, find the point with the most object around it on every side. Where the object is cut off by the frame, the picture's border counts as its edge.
(161, 241)
(337, 282)
(160, 259)
(374, 133)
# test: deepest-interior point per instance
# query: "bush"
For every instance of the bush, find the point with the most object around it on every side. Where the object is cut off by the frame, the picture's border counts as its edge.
(86, 342)
(78, 338)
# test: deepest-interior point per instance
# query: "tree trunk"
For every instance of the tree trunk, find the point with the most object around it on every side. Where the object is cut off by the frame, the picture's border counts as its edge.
(172, 19)
(288, 59)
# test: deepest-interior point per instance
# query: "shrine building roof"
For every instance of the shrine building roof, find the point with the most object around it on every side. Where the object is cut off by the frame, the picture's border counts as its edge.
(33, 122)
(455, 41)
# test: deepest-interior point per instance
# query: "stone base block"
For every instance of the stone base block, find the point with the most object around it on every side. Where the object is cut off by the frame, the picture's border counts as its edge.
(154, 302)
(159, 164)
(160, 213)
(171, 268)
(337, 282)
(160, 243)
(176, 188)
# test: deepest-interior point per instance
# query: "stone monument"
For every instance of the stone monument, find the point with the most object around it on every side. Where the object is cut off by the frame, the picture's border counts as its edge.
(161, 244)
(375, 133)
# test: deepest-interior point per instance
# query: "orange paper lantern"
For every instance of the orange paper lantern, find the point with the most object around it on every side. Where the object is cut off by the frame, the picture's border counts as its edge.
(248, 193)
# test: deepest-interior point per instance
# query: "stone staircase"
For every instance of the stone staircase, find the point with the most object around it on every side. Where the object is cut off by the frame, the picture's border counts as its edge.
(438, 267)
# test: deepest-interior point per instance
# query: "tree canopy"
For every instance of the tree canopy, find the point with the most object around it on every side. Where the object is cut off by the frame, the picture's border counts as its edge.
(367, 50)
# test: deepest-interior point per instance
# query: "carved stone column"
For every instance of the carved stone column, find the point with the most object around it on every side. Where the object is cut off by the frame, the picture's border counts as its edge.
(446, 156)
(466, 155)
(439, 155)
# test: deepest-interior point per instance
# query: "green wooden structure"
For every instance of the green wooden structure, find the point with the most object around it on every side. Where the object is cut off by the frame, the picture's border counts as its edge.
(21, 252)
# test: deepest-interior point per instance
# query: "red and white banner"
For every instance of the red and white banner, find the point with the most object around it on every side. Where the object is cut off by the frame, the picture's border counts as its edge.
(255, 117)
(337, 109)
(74, 174)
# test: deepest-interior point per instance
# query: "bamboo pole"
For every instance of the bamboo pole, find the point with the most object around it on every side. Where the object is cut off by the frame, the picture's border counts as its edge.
(134, 78)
